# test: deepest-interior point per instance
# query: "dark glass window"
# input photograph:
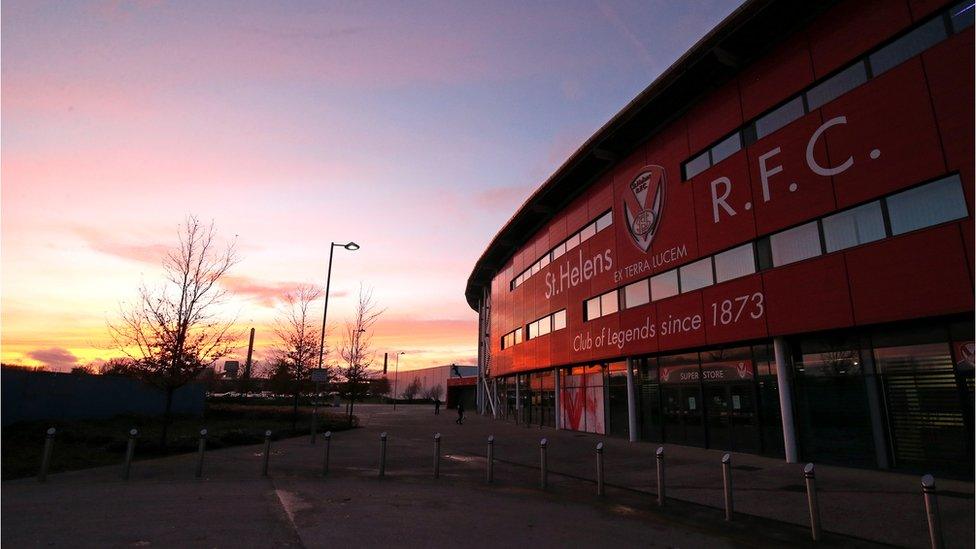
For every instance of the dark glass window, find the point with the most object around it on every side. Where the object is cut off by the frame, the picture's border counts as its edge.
(852, 227)
(697, 165)
(908, 46)
(637, 294)
(664, 285)
(928, 205)
(726, 148)
(961, 15)
(779, 117)
(696, 275)
(734, 263)
(795, 244)
(837, 85)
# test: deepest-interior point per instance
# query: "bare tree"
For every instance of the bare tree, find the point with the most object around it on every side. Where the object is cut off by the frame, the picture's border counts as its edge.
(173, 331)
(355, 349)
(435, 392)
(413, 389)
(297, 336)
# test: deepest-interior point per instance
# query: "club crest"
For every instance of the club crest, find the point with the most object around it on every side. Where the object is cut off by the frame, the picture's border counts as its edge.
(644, 204)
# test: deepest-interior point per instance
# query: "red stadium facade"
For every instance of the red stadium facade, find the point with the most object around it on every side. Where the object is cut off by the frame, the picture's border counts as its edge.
(770, 250)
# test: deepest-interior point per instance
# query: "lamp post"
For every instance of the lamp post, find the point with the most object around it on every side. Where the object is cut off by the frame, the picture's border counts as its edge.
(396, 378)
(352, 247)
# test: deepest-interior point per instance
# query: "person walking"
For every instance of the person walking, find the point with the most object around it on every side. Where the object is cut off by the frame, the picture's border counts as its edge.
(460, 419)
(437, 406)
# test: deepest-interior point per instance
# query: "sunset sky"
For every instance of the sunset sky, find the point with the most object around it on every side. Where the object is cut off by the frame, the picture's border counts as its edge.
(413, 128)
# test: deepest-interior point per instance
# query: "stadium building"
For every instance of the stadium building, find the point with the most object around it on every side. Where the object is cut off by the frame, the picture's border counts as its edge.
(769, 250)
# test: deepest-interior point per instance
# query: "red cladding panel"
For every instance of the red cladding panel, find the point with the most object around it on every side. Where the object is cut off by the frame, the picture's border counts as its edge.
(714, 117)
(915, 275)
(851, 28)
(681, 323)
(949, 67)
(795, 193)
(735, 310)
(640, 322)
(922, 8)
(723, 204)
(889, 118)
(599, 333)
(808, 296)
(778, 75)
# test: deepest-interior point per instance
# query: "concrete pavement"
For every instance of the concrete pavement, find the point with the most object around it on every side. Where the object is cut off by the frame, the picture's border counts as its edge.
(163, 505)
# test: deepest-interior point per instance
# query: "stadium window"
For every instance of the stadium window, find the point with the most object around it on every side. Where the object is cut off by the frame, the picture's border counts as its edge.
(928, 205)
(558, 251)
(637, 294)
(739, 261)
(961, 15)
(837, 85)
(696, 275)
(587, 232)
(545, 325)
(572, 242)
(908, 46)
(592, 308)
(518, 336)
(780, 117)
(546, 259)
(559, 320)
(605, 221)
(697, 165)
(795, 244)
(664, 285)
(726, 148)
(858, 225)
(609, 303)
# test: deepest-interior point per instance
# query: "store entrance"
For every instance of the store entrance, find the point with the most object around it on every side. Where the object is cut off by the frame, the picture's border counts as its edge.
(731, 416)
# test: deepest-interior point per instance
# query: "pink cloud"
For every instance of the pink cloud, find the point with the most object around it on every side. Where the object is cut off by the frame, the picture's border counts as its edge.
(504, 197)
(54, 357)
(109, 245)
(266, 293)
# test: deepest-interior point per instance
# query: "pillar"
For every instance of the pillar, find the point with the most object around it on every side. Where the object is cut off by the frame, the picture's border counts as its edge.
(518, 399)
(631, 400)
(785, 388)
(559, 400)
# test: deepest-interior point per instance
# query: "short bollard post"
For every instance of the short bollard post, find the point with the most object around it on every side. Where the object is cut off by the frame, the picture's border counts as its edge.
(491, 459)
(727, 482)
(932, 512)
(46, 456)
(325, 461)
(437, 455)
(543, 464)
(383, 454)
(200, 450)
(267, 453)
(659, 455)
(315, 424)
(599, 469)
(130, 451)
(811, 479)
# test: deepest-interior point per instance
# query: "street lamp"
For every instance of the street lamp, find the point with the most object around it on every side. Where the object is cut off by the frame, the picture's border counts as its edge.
(396, 378)
(352, 247)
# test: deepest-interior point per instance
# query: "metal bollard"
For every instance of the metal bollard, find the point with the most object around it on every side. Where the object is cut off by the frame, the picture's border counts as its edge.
(130, 451)
(543, 464)
(491, 459)
(315, 424)
(811, 479)
(383, 454)
(599, 469)
(325, 461)
(46, 456)
(727, 482)
(932, 512)
(659, 455)
(267, 453)
(200, 450)
(437, 455)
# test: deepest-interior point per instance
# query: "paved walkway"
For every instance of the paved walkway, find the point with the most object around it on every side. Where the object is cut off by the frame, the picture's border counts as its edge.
(163, 505)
